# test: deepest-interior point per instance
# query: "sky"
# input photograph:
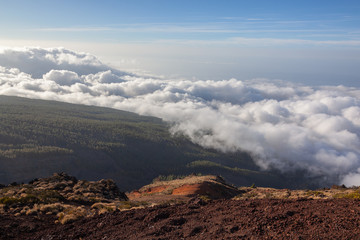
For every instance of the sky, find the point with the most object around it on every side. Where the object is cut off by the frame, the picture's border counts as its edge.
(309, 42)
(279, 80)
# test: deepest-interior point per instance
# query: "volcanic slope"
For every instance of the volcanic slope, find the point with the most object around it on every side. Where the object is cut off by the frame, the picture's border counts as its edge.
(63, 207)
(38, 138)
(220, 219)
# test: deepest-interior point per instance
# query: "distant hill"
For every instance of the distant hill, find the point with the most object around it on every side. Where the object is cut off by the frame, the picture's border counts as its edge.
(38, 138)
(177, 190)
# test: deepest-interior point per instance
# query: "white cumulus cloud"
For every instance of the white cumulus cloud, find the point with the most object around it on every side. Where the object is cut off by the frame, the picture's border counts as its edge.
(281, 125)
(62, 77)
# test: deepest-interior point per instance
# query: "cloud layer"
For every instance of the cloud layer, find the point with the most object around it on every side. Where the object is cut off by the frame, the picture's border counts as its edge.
(283, 126)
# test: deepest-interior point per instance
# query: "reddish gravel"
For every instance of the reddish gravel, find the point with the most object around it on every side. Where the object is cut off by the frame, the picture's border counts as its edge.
(220, 219)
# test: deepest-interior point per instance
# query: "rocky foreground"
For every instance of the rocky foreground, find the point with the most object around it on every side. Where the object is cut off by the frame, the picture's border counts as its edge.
(197, 219)
(192, 208)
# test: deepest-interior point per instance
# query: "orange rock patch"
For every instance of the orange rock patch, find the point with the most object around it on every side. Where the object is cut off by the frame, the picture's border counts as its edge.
(188, 189)
(134, 194)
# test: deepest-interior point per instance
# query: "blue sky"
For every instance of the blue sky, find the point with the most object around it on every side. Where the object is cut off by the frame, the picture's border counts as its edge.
(148, 20)
(312, 42)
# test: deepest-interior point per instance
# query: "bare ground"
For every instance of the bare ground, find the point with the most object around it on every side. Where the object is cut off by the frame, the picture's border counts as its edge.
(200, 219)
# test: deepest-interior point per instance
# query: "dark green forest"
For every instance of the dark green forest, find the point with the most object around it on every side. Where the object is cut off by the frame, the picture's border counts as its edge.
(38, 138)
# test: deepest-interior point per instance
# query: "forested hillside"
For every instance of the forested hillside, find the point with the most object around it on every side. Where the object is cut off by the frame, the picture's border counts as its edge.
(38, 138)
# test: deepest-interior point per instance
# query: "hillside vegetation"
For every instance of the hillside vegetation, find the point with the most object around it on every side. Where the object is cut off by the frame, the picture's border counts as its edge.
(38, 138)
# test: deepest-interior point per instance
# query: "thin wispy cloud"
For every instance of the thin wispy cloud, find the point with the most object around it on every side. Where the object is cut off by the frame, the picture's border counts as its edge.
(218, 21)
(254, 30)
(255, 19)
(155, 29)
(258, 42)
(72, 29)
(187, 29)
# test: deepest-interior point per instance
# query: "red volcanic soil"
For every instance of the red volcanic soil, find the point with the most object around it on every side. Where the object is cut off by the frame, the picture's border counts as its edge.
(188, 189)
(199, 219)
(212, 187)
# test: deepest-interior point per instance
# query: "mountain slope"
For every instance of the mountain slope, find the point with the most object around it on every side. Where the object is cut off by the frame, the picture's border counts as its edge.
(38, 138)
(203, 207)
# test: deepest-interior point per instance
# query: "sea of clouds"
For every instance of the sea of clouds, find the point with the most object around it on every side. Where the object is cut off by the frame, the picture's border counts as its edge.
(283, 126)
